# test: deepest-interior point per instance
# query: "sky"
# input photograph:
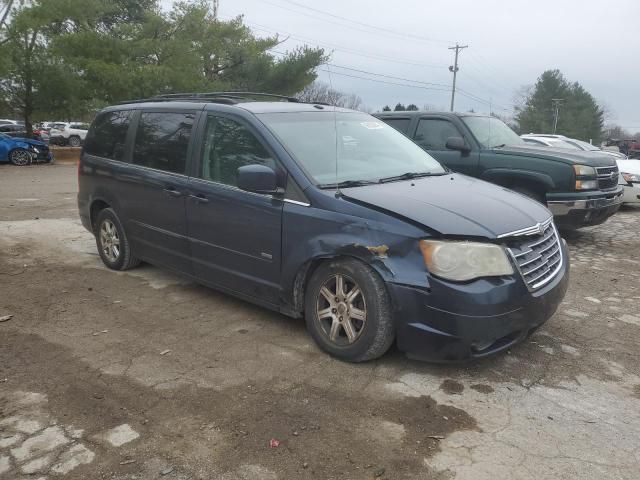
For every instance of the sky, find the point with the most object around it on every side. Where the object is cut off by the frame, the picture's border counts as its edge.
(510, 43)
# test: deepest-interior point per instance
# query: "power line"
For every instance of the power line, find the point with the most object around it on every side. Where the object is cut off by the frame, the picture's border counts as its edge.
(339, 48)
(356, 22)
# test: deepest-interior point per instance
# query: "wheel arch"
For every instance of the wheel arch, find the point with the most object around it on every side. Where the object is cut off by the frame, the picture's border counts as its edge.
(509, 178)
(97, 205)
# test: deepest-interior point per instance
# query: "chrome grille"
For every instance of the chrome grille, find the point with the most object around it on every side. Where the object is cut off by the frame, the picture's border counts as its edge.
(538, 256)
(607, 177)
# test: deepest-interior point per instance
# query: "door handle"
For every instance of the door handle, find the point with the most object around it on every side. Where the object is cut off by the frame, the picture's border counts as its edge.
(172, 192)
(200, 198)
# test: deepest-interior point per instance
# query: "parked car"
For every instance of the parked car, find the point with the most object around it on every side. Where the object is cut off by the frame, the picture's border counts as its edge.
(546, 141)
(23, 151)
(19, 131)
(323, 213)
(630, 180)
(72, 134)
(6, 121)
(560, 141)
(580, 188)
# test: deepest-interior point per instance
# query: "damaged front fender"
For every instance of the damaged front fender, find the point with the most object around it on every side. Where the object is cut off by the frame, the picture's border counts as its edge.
(311, 236)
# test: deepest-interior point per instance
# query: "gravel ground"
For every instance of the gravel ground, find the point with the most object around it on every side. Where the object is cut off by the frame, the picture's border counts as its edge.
(143, 375)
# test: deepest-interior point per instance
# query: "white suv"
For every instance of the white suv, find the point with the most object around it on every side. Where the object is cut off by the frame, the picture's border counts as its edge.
(69, 133)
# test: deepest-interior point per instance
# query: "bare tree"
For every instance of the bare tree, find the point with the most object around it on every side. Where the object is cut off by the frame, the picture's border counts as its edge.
(319, 92)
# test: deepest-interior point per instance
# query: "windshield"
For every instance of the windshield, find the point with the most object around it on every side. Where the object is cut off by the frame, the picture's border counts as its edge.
(492, 132)
(367, 149)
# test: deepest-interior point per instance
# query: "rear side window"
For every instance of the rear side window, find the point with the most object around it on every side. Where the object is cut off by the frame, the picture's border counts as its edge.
(432, 134)
(229, 145)
(108, 135)
(162, 140)
(400, 124)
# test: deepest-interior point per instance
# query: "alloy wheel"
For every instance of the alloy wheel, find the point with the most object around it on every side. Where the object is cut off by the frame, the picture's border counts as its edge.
(341, 310)
(110, 240)
(20, 157)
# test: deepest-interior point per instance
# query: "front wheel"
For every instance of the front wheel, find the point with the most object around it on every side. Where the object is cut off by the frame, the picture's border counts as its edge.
(74, 141)
(20, 157)
(348, 311)
(113, 245)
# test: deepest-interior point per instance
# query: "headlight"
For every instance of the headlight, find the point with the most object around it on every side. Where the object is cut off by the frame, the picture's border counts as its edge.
(584, 171)
(461, 261)
(631, 177)
(586, 184)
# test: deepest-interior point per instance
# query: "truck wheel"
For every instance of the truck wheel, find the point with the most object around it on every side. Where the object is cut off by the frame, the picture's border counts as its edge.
(531, 193)
(112, 242)
(74, 141)
(348, 311)
(20, 157)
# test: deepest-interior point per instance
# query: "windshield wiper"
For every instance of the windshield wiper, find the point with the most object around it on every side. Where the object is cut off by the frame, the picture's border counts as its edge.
(408, 176)
(347, 184)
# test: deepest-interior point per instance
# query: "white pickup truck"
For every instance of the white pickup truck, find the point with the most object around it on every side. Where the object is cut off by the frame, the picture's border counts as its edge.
(71, 133)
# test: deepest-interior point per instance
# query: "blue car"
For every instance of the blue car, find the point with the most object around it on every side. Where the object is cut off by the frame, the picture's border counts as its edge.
(23, 151)
(324, 214)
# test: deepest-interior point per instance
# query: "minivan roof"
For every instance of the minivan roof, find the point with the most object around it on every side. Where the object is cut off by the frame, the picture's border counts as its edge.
(255, 102)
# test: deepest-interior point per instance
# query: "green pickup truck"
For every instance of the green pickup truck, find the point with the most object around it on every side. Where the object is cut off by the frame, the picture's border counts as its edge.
(580, 188)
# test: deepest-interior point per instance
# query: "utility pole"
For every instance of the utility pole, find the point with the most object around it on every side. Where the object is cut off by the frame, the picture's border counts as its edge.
(556, 112)
(454, 68)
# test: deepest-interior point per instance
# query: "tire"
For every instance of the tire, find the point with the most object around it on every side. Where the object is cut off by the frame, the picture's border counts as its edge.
(111, 240)
(74, 141)
(531, 193)
(20, 157)
(371, 331)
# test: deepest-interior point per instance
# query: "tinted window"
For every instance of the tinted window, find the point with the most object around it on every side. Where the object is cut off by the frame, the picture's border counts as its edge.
(400, 124)
(162, 140)
(229, 145)
(432, 134)
(108, 135)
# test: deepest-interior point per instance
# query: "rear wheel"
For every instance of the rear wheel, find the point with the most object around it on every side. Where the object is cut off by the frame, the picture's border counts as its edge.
(348, 311)
(20, 157)
(111, 240)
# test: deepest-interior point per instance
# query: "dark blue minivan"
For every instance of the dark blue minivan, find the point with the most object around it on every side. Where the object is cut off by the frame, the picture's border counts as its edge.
(322, 213)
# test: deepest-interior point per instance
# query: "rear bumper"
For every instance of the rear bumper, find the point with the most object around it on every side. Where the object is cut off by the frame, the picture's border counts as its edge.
(461, 322)
(586, 211)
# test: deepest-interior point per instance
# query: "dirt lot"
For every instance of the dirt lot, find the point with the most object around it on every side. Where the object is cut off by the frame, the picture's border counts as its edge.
(142, 375)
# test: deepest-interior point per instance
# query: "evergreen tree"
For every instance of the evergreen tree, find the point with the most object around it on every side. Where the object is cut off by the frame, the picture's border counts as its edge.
(579, 114)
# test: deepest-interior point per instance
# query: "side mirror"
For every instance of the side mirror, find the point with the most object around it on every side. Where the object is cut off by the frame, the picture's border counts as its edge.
(457, 143)
(258, 179)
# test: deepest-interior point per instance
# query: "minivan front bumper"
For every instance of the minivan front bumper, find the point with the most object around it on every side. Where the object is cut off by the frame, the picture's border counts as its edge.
(584, 212)
(460, 322)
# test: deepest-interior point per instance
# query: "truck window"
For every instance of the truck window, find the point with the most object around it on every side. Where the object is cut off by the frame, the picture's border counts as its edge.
(400, 124)
(162, 140)
(432, 133)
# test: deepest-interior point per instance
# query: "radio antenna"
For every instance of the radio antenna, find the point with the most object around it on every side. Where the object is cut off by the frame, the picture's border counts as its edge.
(335, 127)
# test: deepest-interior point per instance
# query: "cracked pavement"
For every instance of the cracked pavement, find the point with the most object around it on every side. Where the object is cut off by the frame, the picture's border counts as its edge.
(145, 375)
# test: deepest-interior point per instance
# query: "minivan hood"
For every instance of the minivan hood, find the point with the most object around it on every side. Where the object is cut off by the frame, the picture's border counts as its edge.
(454, 205)
(580, 157)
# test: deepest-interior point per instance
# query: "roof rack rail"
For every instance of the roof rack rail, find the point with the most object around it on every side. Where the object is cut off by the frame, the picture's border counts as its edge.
(215, 97)
(238, 95)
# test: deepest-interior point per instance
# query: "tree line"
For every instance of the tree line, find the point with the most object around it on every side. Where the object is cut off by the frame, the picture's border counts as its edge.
(69, 58)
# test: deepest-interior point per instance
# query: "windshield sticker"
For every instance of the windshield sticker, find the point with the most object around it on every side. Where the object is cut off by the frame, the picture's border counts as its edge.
(372, 125)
